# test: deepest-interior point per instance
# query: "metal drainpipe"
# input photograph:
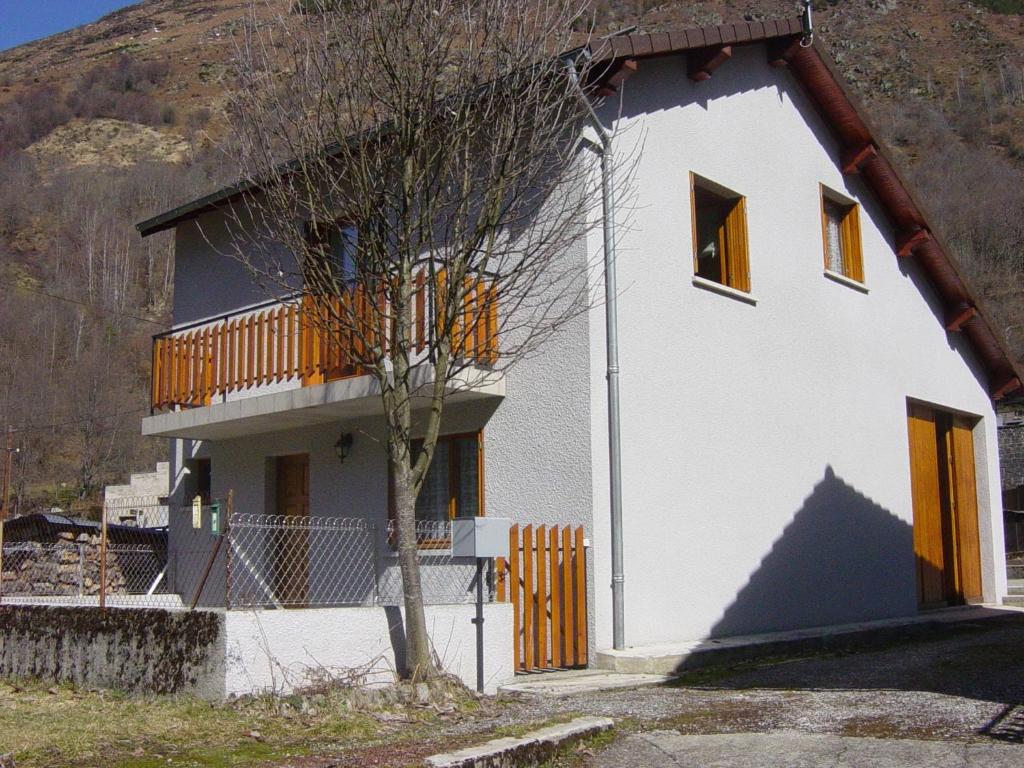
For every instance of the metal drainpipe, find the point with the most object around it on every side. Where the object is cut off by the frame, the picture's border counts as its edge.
(612, 354)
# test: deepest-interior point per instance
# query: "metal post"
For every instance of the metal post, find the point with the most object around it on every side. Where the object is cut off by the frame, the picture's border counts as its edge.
(1, 559)
(7, 475)
(226, 532)
(479, 621)
(103, 561)
(375, 549)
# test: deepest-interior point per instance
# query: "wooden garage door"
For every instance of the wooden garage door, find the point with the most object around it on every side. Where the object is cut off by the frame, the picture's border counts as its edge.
(943, 482)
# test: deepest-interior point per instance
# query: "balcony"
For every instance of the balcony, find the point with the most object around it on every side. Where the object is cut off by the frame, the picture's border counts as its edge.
(287, 363)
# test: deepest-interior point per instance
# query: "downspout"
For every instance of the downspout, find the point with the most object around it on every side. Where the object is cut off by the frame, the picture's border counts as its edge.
(612, 355)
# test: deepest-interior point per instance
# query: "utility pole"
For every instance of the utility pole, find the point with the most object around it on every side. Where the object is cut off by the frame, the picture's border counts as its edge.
(7, 474)
(9, 452)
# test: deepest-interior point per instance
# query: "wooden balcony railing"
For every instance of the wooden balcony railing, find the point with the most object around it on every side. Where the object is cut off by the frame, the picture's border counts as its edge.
(294, 342)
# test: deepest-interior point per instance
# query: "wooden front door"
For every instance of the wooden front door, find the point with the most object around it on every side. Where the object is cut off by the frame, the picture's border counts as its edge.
(291, 543)
(946, 545)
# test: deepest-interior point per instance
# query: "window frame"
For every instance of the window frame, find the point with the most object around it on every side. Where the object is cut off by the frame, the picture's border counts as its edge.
(734, 239)
(454, 479)
(850, 240)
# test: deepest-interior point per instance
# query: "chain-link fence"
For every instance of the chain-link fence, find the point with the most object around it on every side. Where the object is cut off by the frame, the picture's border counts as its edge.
(205, 557)
(279, 561)
(58, 560)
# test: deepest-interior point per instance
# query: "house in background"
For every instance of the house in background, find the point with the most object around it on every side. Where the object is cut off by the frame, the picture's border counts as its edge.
(807, 388)
(142, 501)
(1011, 462)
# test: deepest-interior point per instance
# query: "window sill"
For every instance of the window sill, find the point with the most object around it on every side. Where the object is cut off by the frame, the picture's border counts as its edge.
(724, 290)
(847, 281)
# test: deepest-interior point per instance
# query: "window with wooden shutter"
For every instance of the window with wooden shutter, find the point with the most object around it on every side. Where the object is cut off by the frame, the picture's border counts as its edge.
(840, 229)
(720, 252)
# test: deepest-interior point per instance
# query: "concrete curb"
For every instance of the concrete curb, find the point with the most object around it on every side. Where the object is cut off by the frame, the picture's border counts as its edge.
(676, 659)
(526, 750)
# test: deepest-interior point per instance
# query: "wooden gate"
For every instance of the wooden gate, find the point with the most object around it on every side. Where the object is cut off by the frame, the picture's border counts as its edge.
(545, 579)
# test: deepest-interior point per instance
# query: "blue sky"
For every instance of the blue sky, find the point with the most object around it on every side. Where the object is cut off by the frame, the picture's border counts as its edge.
(25, 20)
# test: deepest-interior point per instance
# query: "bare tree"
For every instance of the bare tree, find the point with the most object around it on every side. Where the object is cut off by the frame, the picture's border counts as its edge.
(413, 169)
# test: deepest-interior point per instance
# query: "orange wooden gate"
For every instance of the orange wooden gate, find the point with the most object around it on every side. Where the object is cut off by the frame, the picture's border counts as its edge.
(545, 579)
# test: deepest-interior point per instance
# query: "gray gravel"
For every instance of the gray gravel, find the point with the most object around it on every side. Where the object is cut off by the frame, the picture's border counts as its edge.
(963, 684)
(669, 749)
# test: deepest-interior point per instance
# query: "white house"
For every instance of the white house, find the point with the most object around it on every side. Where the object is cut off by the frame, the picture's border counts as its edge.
(807, 386)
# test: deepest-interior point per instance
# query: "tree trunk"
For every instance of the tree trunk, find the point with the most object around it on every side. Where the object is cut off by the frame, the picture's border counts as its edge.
(420, 663)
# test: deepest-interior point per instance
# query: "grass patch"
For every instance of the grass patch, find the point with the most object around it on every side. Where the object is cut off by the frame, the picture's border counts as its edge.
(575, 755)
(1002, 6)
(46, 725)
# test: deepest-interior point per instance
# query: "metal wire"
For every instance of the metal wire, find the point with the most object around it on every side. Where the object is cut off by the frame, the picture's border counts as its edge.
(249, 561)
(279, 561)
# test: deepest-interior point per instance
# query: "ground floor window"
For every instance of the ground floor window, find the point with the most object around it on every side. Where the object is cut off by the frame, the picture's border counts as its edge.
(454, 485)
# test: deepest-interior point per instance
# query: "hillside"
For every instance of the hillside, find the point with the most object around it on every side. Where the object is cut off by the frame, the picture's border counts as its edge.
(108, 123)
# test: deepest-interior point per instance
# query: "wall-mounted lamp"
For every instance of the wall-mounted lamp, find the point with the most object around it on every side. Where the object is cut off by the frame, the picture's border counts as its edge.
(343, 446)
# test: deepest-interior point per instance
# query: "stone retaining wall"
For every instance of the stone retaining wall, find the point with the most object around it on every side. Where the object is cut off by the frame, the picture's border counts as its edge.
(136, 650)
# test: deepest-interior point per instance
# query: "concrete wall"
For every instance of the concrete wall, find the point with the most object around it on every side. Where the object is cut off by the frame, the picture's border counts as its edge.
(213, 654)
(765, 467)
(151, 651)
(282, 650)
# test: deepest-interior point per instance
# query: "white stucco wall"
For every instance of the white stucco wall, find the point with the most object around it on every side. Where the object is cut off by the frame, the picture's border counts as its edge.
(280, 650)
(766, 479)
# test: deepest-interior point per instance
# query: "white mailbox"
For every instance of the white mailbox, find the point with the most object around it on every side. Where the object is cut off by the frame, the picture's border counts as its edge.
(480, 536)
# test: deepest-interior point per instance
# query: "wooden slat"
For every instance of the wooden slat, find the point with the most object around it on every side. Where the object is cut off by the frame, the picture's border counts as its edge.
(292, 354)
(261, 348)
(556, 601)
(222, 372)
(184, 362)
(965, 511)
(492, 325)
(250, 351)
(175, 353)
(420, 308)
(927, 504)
(207, 365)
(542, 598)
(513, 583)
(529, 599)
(154, 384)
(232, 380)
(569, 604)
(501, 578)
(281, 329)
(581, 599)
(167, 371)
(192, 386)
(480, 340)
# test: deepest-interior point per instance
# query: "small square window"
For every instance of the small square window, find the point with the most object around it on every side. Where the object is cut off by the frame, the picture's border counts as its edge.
(719, 234)
(840, 227)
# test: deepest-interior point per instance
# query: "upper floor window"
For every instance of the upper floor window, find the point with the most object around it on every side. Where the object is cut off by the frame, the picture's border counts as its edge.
(337, 242)
(840, 227)
(719, 218)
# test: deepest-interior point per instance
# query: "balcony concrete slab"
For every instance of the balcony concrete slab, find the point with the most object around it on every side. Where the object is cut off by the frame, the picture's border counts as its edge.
(307, 406)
